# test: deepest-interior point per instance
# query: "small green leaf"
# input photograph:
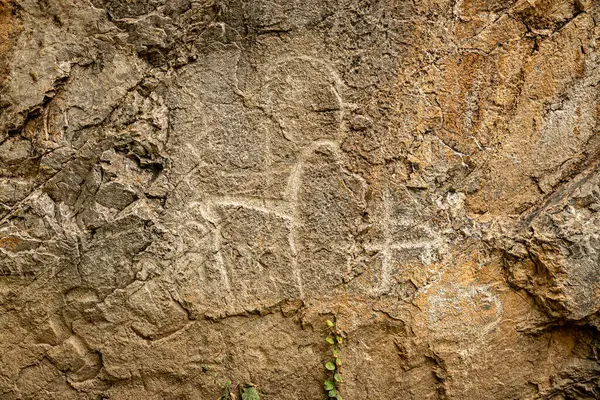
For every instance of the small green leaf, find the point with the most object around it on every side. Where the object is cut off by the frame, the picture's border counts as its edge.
(338, 397)
(330, 366)
(337, 377)
(339, 339)
(329, 340)
(338, 361)
(332, 393)
(250, 393)
(329, 324)
(329, 385)
(336, 353)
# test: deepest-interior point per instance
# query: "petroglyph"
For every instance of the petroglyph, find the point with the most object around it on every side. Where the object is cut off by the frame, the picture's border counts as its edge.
(302, 95)
(289, 96)
(295, 87)
(456, 308)
(403, 239)
(189, 189)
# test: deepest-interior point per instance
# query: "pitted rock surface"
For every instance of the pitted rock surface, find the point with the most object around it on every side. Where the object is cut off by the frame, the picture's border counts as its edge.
(189, 189)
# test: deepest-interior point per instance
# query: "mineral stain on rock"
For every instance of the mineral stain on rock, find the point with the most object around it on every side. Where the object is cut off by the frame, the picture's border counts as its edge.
(190, 189)
(8, 26)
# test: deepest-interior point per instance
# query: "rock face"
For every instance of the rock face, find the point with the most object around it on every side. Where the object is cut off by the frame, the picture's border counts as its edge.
(189, 189)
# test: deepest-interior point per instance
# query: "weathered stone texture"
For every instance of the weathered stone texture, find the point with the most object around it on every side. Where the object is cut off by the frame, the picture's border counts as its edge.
(190, 188)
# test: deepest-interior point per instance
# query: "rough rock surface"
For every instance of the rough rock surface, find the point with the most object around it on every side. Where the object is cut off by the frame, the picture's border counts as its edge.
(190, 188)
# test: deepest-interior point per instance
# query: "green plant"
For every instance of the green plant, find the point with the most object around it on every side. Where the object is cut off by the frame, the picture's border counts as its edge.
(227, 392)
(331, 385)
(249, 392)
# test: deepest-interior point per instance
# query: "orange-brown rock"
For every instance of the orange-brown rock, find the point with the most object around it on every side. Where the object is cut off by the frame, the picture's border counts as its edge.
(190, 189)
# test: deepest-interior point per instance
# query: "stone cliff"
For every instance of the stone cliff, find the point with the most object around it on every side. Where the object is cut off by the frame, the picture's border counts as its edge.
(189, 189)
